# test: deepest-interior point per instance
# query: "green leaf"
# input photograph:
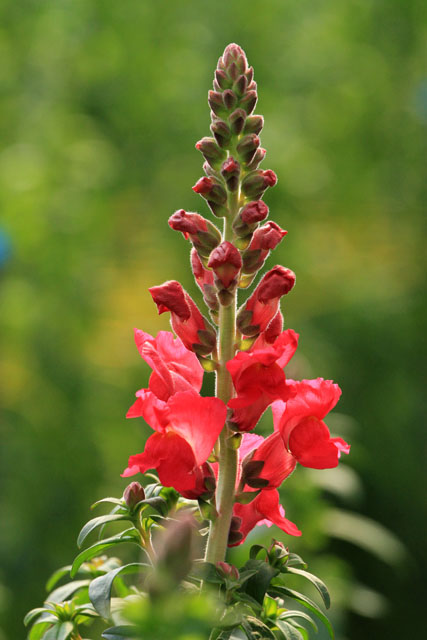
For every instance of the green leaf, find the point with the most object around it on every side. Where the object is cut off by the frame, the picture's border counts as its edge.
(120, 502)
(33, 614)
(320, 586)
(117, 633)
(255, 549)
(97, 522)
(60, 631)
(295, 560)
(299, 614)
(100, 588)
(257, 630)
(56, 577)
(258, 584)
(289, 632)
(102, 545)
(63, 593)
(38, 629)
(306, 602)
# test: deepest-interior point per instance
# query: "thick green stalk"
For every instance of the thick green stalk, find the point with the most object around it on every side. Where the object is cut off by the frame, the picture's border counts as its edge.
(218, 535)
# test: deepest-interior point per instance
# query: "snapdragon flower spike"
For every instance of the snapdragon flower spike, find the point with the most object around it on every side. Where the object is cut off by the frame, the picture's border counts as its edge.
(300, 423)
(226, 262)
(264, 240)
(186, 429)
(195, 331)
(203, 234)
(254, 316)
(205, 281)
(175, 368)
(259, 380)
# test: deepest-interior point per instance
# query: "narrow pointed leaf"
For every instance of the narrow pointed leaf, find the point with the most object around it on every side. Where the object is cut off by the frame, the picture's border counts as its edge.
(33, 614)
(116, 501)
(100, 588)
(257, 630)
(320, 586)
(255, 549)
(295, 560)
(97, 522)
(102, 545)
(258, 584)
(299, 614)
(38, 630)
(117, 633)
(306, 602)
(63, 593)
(55, 577)
(289, 632)
(60, 631)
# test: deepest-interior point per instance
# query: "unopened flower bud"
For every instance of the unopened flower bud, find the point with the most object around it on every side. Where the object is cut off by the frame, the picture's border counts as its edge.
(264, 239)
(216, 104)
(205, 281)
(240, 85)
(230, 99)
(195, 331)
(211, 190)
(227, 570)
(256, 182)
(263, 304)
(277, 553)
(226, 262)
(221, 132)
(237, 121)
(211, 151)
(248, 218)
(222, 81)
(253, 124)
(249, 101)
(257, 158)
(203, 234)
(133, 494)
(230, 171)
(247, 147)
(234, 54)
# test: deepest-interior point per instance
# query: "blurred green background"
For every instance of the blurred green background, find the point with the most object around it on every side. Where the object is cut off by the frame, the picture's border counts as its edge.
(102, 102)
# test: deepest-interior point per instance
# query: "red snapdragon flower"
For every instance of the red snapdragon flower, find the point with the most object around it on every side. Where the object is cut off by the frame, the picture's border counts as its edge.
(195, 331)
(259, 379)
(175, 368)
(300, 423)
(265, 507)
(187, 427)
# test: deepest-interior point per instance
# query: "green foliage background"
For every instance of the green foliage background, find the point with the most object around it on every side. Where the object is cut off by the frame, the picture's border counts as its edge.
(102, 102)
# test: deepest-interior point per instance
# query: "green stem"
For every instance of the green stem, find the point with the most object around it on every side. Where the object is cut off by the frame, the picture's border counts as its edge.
(218, 535)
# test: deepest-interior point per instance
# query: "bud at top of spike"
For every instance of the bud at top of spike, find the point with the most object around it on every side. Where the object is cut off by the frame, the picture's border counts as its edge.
(233, 54)
(254, 212)
(226, 262)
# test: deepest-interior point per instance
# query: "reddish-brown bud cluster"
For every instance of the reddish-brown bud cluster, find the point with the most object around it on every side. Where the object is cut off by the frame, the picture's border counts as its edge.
(227, 571)
(226, 262)
(195, 331)
(203, 234)
(263, 304)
